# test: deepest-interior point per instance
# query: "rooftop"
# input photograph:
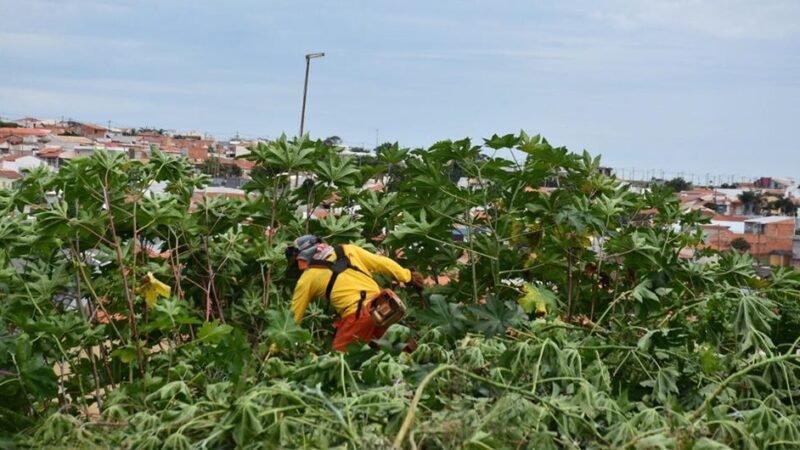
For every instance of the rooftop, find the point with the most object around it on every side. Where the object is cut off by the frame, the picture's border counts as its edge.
(93, 126)
(770, 219)
(733, 225)
(50, 152)
(9, 174)
(74, 139)
(24, 132)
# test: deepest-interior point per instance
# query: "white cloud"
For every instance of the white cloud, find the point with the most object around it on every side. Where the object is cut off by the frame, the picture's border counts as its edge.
(727, 19)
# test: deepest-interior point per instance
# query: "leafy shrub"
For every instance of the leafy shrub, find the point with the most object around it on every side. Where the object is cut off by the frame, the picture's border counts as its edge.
(636, 346)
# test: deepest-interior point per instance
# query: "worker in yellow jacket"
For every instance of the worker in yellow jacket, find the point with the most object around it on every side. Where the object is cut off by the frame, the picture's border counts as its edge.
(345, 276)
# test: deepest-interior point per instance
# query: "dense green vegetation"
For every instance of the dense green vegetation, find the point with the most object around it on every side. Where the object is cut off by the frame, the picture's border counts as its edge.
(639, 347)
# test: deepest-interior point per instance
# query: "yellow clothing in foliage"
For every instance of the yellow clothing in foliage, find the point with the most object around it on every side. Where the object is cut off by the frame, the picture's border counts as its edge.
(348, 287)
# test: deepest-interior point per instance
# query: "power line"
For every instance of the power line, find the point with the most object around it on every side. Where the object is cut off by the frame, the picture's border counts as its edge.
(707, 178)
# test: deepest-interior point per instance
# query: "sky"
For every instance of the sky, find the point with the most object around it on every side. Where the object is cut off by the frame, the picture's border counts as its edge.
(690, 87)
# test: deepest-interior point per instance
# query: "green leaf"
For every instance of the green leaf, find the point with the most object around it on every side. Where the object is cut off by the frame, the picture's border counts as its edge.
(283, 332)
(177, 441)
(495, 316)
(126, 354)
(537, 298)
(498, 142)
(642, 292)
(446, 316)
(708, 444)
(665, 383)
(247, 424)
(213, 332)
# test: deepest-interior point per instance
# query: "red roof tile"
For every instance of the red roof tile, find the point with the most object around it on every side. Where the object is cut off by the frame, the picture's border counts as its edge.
(24, 132)
(244, 164)
(50, 152)
(9, 174)
(198, 153)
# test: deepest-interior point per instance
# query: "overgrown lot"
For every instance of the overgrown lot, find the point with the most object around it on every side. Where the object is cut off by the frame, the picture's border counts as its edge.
(637, 347)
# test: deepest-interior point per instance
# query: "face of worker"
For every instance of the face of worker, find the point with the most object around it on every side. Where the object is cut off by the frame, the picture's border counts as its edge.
(293, 269)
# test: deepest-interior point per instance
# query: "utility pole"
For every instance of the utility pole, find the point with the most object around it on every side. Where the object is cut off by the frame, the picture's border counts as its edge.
(309, 57)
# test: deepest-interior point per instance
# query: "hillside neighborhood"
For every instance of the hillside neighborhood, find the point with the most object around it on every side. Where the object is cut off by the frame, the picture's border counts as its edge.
(759, 216)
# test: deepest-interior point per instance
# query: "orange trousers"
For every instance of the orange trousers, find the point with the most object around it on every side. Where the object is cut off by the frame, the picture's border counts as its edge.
(350, 330)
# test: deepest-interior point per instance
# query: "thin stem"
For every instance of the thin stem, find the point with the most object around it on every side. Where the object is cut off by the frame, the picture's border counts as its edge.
(126, 284)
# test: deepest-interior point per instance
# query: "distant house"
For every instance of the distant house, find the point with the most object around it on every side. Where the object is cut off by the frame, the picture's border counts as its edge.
(9, 145)
(241, 150)
(243, 164)
(29, 122)
(23, 140)
(89, 130)
(51, 156)
(194, 147)
(796, 252)
(770, 238)
(20, 163)
(770, 225)
(8, 178)
(71, 142)
(607, 171)
(721, 201)
(209, 192)
(197, 155)
(774, 183)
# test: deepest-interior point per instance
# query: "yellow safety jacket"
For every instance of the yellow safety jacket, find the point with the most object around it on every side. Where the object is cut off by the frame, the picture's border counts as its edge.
(349, 285)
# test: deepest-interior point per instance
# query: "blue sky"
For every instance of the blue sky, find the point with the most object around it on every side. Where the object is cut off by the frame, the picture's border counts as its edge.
(693, 86)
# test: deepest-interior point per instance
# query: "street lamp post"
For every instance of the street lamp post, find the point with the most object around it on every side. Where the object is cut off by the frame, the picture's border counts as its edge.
(309, 57)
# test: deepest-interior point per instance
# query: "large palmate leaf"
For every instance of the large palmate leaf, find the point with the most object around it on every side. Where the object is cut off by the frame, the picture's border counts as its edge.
(337, 171)
(213, 332)
(447, 317)
(495, 316)
(283, 331)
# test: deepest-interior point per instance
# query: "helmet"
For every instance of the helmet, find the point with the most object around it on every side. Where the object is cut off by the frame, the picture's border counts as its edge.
(306, 246)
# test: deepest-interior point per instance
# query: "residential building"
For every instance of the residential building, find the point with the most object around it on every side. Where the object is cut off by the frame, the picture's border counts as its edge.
(21, 141)
(51, 156)
(71, 142)
(29, 122)
(770, 238)
(721, 201)
(607, 171)
(20, 163)
(775, 183)
(8, 178)
(89, 130)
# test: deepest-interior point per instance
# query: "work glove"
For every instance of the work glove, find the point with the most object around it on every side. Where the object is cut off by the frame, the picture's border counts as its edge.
(417, 280)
